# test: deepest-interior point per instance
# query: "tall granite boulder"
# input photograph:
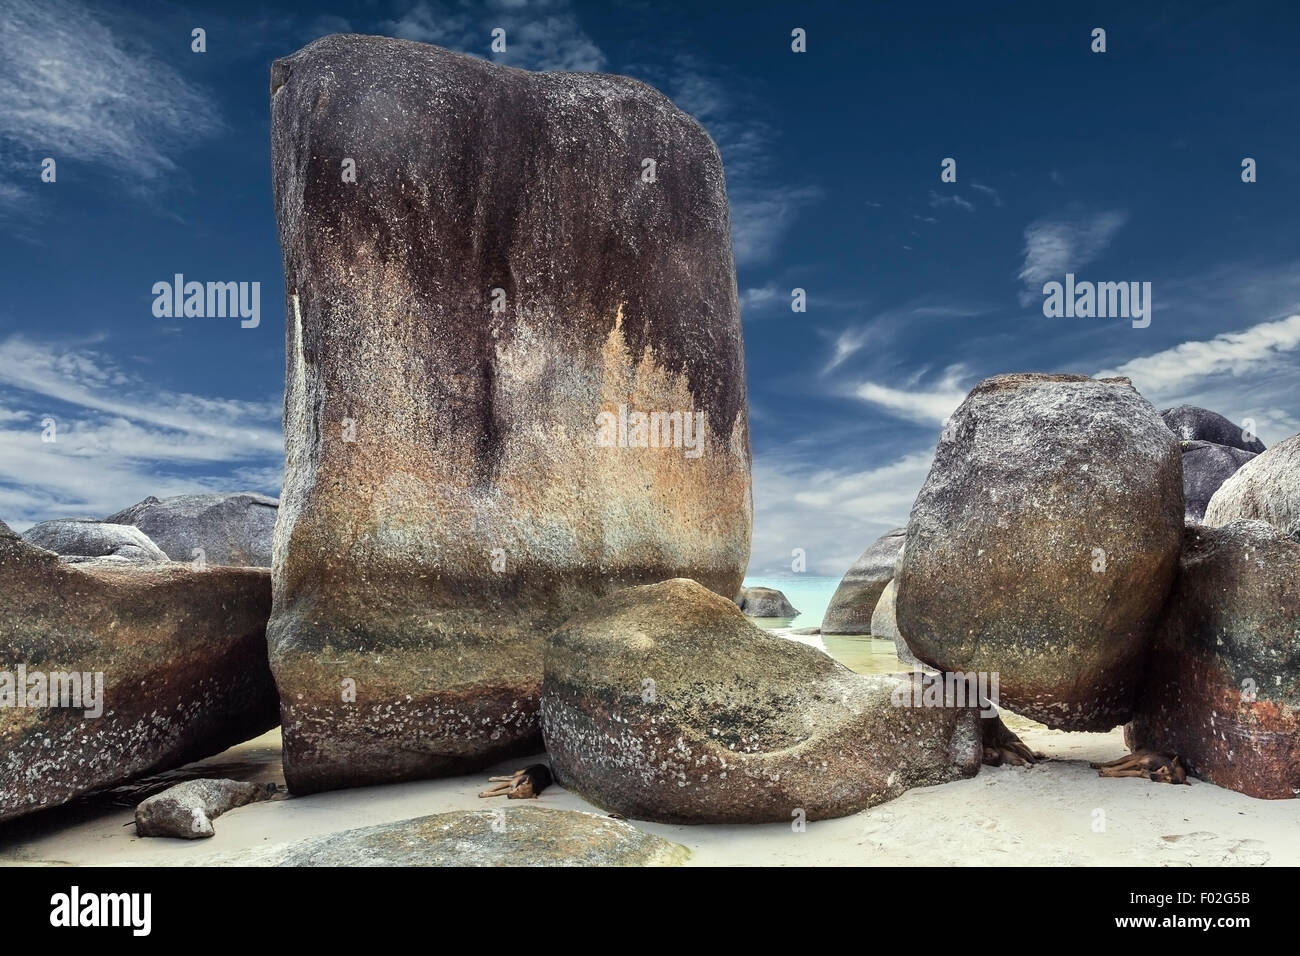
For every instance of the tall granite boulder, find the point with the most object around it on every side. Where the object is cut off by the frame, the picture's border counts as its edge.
(1206, 466)
(1266, 488)
(235, 530)
(859, 590)
(1192, 423)
(1044, 543)
(515, 383)
(109, 670)
(1222, 688)
(664, 703)
(75, 539)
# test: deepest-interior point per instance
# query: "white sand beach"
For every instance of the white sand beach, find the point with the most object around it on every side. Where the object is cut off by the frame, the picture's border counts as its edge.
(1056, 813)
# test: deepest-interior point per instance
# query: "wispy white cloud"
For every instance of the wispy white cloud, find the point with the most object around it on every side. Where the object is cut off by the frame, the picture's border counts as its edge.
(1251, 374)
(988, 191)
(847, 343)
(762, 207)
(927, 406)
(758, 299)
(74, 89)
(831, 513)
(937, 200)
(540, 34)
(1233, 353)
(116, 438)
(1056, 246)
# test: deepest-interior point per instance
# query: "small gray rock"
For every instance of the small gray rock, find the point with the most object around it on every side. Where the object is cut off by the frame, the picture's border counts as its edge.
(1206, 466)
(765, 602)
(76, 540)
(232, 530)
(1191, 423)
(522, 836)
(186, 811)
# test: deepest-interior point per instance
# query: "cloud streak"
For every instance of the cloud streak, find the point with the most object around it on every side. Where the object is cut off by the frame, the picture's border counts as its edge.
(1054, 247)
(117, 439)
(540, 35)
(73, 89)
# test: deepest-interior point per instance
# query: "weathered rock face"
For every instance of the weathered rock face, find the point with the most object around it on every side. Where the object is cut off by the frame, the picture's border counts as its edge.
(168, 663)
(76, 540)
(1191, 423)
(1222, 688)
(1265, 488)
(521, 836)
(884, 620)
(1044, 543)
(1206, 466)
(855, 599)
(665, 703)
(186, 811)
(234, 529)
(765, 602)
(464, 466)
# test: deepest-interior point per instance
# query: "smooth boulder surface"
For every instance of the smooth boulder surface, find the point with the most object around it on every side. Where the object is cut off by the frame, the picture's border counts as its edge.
(854, 601)
(77, 540)
(1192, 423)
(235, 530)
(665, 703)
(884, 624)
(475, 327)
(186, 811)
(1266, 488)
(1206, 466)
(1044, 543)
(765, 602)
(180, 656)
(1222, 688)
(514, 836)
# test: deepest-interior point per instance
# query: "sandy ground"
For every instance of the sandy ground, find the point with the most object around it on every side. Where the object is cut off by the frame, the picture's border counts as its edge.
(1057, 813)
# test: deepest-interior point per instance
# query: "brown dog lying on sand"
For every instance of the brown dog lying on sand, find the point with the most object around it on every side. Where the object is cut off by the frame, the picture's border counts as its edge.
(523, 784)
(1158, 767)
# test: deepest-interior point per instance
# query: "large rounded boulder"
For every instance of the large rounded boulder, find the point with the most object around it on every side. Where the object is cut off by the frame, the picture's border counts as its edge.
(1222, 688)
(664, 703)
(854, 601)
(74, 540)
(1206, 466)
(234, 530)
(1044, 543)
(1192, 423)
(515, 383)
(111, 669)
(1266, 488)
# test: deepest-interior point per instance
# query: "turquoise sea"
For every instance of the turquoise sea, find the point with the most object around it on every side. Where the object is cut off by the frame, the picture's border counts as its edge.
(809, 593)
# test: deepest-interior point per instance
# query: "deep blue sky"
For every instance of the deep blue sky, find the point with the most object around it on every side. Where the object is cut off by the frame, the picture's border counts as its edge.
(1121, 166)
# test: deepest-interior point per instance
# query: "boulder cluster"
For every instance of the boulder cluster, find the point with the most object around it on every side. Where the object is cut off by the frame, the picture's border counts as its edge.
(516, 514)
(1052, 543)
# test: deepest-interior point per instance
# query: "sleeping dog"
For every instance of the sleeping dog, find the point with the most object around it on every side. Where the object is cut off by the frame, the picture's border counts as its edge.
(523, 784)
(1158, 767)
